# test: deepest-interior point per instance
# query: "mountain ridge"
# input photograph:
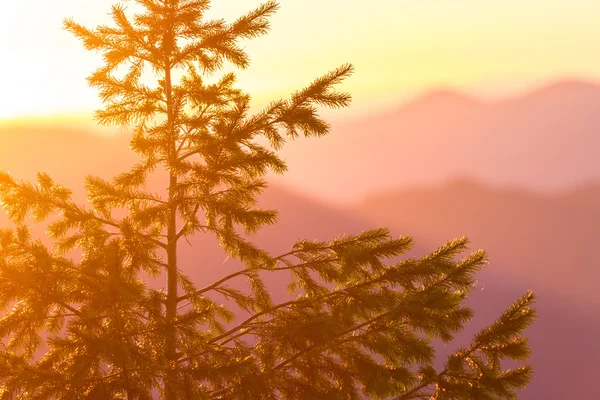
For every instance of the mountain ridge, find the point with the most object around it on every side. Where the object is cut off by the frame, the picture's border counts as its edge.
(547, 140)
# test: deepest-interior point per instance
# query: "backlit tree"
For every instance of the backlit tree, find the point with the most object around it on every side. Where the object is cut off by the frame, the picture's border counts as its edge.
(81, 322)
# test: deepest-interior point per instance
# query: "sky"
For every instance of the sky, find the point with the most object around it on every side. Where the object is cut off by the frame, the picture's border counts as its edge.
(398, 47)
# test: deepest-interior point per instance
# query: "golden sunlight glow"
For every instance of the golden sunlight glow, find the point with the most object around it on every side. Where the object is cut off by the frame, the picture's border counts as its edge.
(398, 47)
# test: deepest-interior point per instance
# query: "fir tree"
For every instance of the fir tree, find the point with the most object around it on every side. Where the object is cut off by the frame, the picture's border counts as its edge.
(359, 323)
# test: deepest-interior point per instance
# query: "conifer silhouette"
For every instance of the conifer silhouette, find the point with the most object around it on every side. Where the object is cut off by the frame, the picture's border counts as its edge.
(80, 322)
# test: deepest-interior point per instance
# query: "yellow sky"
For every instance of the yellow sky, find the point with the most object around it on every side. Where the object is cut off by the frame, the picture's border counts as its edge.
(399, 47)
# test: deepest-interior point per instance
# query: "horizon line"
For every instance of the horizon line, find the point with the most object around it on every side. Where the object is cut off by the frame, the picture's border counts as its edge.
(86, 118)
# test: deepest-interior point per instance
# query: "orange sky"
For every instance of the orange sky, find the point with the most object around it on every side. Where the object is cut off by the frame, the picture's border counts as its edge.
(399, 47)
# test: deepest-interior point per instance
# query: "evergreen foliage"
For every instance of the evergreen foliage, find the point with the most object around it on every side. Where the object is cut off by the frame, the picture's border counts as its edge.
(359, 323)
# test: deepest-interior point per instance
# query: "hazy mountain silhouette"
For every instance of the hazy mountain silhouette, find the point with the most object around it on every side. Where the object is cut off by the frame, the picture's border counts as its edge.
(535, 241)
(546, 139)
(543, 242)
(64, 153)
(542, 239)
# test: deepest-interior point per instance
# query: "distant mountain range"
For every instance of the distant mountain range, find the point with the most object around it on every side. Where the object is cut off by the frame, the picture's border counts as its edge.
(548, 139)
(543, 241)
(67, 154)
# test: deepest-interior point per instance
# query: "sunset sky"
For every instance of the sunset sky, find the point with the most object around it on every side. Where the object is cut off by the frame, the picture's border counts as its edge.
(399, 48)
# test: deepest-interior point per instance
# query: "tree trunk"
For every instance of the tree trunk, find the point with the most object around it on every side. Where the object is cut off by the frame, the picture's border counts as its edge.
(170, 379)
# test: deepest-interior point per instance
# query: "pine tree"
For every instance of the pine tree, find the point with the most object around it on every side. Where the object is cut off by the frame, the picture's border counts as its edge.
(80, 321)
